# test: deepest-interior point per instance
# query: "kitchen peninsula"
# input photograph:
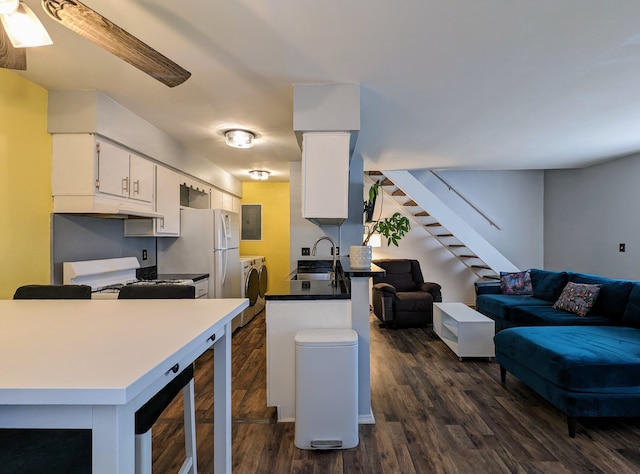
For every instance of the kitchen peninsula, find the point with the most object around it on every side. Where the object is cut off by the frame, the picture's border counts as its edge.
(90, 364)
(296, 304)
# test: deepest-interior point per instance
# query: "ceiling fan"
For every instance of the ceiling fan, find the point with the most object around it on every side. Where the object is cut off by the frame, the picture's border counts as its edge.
(90, 24)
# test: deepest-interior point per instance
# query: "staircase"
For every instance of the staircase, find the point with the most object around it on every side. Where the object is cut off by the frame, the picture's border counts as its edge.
(454, 234)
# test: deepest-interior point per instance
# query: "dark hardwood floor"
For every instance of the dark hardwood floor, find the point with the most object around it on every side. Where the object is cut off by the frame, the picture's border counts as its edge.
(433, 414)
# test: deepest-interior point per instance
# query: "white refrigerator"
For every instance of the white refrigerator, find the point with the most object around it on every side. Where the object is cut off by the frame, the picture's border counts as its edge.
(208, 243)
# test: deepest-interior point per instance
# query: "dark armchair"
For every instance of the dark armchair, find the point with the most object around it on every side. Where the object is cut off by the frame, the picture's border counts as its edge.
(402, 297)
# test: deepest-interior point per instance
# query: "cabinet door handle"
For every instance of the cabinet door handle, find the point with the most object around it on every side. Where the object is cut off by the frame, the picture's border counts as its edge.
(125, 185)
(136, 186)
(162, 222)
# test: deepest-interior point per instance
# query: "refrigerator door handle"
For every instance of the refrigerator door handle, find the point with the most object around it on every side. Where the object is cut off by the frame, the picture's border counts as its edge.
(224, 244)
(224, 267)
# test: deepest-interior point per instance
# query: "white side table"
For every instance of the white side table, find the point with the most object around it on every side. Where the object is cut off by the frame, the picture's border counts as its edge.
(466, 332)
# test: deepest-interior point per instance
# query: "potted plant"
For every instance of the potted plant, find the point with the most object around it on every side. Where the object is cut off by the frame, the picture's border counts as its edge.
(392, 228)
(370, 205)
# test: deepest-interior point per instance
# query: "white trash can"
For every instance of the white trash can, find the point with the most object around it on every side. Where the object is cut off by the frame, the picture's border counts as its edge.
(326, 389)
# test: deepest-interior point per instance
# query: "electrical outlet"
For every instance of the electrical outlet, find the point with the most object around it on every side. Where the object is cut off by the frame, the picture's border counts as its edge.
(623, 247)
(306, 251)
(144, 254)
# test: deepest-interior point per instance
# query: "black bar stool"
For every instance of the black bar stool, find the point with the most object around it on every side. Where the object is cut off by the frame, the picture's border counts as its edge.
(149, 413)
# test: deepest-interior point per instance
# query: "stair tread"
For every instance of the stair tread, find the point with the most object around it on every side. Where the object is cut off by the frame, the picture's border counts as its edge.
(411, 202)
(386, 182)
(481, 266)
(373, 173)
(422, 214)
(456, 245)
(433, 224)
(443, 235)
(398, 192)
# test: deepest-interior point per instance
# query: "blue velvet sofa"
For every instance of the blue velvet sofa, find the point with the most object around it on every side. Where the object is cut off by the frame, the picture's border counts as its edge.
(617, 303)
(586, 366)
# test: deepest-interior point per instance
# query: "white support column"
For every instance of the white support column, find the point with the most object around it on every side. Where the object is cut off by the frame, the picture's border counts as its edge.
(360, 323)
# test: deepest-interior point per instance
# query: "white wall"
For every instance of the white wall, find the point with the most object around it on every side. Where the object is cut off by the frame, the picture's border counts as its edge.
(588, 213)
(512, 199)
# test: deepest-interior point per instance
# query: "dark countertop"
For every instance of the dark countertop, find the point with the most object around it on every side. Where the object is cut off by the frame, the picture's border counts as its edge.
(151, 273)
(319, 289)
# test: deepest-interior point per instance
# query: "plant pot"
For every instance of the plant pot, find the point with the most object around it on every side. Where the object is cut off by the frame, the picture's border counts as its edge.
(360, 256)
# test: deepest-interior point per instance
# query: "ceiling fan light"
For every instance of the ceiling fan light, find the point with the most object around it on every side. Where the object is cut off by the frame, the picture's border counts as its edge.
(8, 6)
(239, 138)
(24, 28)
(259, 175)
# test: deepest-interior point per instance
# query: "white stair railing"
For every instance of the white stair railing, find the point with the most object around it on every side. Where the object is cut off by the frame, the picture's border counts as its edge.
(475, 242)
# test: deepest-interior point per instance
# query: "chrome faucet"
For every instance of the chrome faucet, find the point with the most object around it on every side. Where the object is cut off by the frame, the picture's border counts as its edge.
(333, 253)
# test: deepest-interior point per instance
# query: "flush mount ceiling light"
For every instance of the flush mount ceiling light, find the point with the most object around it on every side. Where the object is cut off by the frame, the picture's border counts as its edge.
(22, 25)
(8, 6)
(239, 138)
(259, 175)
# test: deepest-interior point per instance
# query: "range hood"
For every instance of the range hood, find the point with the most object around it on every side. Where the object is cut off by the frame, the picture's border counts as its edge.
(102, 207)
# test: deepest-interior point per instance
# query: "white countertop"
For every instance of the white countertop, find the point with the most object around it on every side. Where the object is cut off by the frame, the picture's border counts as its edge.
(99, 351)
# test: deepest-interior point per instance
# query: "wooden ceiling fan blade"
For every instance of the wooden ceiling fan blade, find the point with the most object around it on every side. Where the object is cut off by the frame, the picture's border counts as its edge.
(90, 24)
(10, 57)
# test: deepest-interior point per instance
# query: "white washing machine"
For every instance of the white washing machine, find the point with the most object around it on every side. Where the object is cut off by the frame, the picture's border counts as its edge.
(260, 264)
(250, 288)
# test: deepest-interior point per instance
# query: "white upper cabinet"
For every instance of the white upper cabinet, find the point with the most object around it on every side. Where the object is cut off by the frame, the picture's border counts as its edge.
(122, 173)
(222, 200)
(168, 201)
(167, 184)
(141, 179)
(325, 177)
(93, 175)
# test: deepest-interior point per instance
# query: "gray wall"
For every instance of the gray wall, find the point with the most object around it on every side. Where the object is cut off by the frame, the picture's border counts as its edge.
(512, 199)
(588, 213)
(89, 238)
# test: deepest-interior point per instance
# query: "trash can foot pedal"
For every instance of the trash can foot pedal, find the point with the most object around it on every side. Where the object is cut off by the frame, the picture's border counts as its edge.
(327, 444)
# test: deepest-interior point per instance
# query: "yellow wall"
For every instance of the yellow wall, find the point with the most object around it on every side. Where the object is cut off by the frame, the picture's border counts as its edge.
(274, 245)
(25, 184)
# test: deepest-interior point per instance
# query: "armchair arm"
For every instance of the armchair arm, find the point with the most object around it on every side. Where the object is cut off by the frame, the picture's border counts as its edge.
(487, 287)
(434, 289)
(384, 288)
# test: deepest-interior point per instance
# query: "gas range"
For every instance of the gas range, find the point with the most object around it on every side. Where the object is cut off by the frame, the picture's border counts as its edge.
(107, 276)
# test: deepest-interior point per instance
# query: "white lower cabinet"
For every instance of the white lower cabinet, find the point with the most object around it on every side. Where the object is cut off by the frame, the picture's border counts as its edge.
(202, 288)
(284, 319)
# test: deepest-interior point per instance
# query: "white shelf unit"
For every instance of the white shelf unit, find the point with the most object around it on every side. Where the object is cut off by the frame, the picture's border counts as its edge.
(466, 332)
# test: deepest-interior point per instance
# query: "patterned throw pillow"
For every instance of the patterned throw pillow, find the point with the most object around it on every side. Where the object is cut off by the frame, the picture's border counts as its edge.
(516, 283)
(577, 298)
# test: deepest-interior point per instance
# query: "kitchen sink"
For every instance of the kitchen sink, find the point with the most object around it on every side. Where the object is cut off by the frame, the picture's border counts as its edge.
(311, 276)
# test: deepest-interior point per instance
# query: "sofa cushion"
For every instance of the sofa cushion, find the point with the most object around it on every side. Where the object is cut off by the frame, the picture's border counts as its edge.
(516, 283)
(547, 316)
(412, 301)
(547, 285)
(577, 298)
(500, 305)
(596, 358)
(631, 315)
(613, 296)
